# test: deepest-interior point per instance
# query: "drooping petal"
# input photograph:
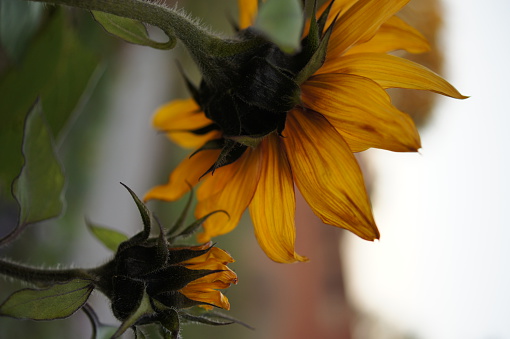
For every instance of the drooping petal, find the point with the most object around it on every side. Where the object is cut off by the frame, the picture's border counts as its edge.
(247, 12)
(187, 174)
(361, 111)
(229, 188)
(390, 71)
(273, 206)
(394, 34)
(327, 174)
(360, 23)
(180, 116)
(206, 295)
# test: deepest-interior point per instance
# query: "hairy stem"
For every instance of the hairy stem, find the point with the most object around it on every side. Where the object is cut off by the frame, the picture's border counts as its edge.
(201, 43)
(42, 276)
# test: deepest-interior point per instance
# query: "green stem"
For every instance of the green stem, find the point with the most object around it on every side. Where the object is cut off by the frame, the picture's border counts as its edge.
(42, 276)
(201, 43)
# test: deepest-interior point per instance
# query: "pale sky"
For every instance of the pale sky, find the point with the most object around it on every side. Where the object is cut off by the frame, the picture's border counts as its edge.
(442, 267)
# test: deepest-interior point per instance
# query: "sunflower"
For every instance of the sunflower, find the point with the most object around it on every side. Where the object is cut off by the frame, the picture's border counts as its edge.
(274, 121)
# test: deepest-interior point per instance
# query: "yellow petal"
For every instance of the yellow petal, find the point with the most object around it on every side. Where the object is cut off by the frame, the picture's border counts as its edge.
(187, 173)
(390, 71)
(394, 34)
(360, 23)
(214, 253)
(273, 206)
(338, 8)
(247, 12)
(327, 174)
(205, 295)
(361, 111)
(217, 280)
(231, 189)
(180, 116)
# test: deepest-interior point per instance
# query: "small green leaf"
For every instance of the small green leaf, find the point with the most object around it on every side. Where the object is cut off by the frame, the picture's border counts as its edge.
(282, 22)
(130, 30)
(57, 302)
(194, 226)
(108, 237)
(139, 333)
(38, 188)
(146, 217)
(180, 222)
(170, 322)
(317, 59)
(144, 309)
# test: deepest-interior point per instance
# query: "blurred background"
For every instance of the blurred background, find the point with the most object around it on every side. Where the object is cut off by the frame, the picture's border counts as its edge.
(440, 269)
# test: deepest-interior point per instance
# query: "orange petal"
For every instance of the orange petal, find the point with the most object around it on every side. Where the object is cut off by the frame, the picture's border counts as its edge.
(187, 173)
(247, 12)
(180, 116)
(338, 8)
(231, 189)
(394, 34)
(327, 174)
(214, 253)
(360, 23)
(361, 111)
(206, 295)
(390, 71)
(273, 206)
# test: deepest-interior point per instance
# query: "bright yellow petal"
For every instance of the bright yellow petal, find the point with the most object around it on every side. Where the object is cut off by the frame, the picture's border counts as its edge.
(247, 12)
(231, 189)
(180, 116)
(187, 173)
(327, 174)
(360, 23)
(394, 34)
(391, 71)
(338, 8)
(273, 206)
(361, 111)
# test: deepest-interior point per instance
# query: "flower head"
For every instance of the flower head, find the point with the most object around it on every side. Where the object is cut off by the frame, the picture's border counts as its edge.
(151, 280)
(275, 120)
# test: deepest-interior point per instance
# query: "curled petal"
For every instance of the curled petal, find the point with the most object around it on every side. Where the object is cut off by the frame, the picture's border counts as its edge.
(394, 34)
(178, 117)
(360, 23)
(390, 71)
(187, 173)
(230, 188)
(273, 206)
(361, 111)
(327, 174)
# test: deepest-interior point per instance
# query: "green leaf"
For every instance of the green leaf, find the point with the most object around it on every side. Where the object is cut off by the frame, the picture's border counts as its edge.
(130, 30)
(108, 237)
(146, 218)
(282, 23)
(56, 68)
(184, 214)
(38, 188)
(169, 319)
(18, 23)
(57, 302)
(193, 227)
(144, 309)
